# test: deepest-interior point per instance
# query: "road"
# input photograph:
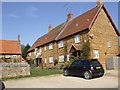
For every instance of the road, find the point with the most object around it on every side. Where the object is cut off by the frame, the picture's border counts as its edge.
(60, 81)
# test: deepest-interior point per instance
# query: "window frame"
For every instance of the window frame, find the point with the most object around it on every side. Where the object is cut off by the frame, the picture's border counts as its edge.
(77, 38)
(62, 56)
(50, 46)
(61, 44)
(51, 61)
(96, 53)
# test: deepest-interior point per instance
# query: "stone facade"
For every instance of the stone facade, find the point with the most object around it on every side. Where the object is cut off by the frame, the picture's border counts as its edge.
(14, 69)
(103, 42)
(103, 33)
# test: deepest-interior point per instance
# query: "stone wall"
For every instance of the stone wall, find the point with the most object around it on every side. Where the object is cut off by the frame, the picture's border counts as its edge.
(14, 69)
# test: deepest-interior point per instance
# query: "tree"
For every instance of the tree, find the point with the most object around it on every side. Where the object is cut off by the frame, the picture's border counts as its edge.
(22, 47)
(85, 50)
(24, 52)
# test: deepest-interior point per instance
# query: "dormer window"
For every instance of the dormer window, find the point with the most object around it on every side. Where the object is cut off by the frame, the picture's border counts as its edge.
(77, 38)
(50, 46)
(60, 44)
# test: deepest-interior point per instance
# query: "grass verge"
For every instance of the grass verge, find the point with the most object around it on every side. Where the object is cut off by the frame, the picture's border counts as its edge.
(37, 72)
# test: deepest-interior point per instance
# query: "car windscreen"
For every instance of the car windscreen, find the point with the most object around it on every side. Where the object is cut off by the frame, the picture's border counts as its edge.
(95, 63)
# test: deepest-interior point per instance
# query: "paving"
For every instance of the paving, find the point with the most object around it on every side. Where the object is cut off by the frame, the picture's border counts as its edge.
(109, 80)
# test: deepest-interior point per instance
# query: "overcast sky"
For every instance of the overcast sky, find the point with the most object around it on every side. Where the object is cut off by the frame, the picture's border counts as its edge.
(31, 19)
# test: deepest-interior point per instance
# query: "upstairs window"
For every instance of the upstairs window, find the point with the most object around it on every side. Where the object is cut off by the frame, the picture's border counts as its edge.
(40, 50)
(50, 59)
(60, 44)
(45, 48)
(109, 44)
(7, 56)
(14, 56)
(96, 53)
(50, 46)
(61, 58)
(77, 38)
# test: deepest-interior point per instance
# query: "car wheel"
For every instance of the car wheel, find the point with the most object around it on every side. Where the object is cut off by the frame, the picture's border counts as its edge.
(87, 75)
(66, 73)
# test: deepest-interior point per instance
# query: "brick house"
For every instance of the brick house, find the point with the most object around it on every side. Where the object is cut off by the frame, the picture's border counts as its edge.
(95, 25)
(10, 51)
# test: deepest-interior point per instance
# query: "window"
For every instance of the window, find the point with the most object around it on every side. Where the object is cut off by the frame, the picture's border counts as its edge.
(68, 57)
(77, 38)
(109, 44)
(45, 60)
(40, 50)
(96, 53)
(50, 59)
(14, 56)
(60, 44)
(45, 48)
(7, 56)
(61, 58)
(30, 54)
(50, 46)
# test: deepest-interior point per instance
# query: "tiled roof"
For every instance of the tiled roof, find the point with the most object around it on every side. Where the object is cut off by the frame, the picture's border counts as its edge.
(49, 37)
(78, 24)
(10, 47)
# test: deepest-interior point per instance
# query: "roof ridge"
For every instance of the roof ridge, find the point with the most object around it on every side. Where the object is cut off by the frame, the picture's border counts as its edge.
(7, 40)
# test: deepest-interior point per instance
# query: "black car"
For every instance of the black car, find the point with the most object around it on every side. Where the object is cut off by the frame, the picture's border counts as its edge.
(87, 68)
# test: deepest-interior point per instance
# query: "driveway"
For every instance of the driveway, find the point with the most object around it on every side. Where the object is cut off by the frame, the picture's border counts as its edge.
(60, 81)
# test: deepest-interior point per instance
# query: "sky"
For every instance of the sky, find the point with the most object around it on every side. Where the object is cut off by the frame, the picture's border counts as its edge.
(31, 19)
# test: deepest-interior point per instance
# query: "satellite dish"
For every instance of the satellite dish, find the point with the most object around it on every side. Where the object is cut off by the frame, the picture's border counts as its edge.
(91, 35)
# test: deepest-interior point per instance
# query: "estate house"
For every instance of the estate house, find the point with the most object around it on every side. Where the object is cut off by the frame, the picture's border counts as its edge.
(10, 50)
(95, 25)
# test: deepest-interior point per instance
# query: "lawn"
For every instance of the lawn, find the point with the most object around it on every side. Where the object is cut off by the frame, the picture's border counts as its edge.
(38, 72)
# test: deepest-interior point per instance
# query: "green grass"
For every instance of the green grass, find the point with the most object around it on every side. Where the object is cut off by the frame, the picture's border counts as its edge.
(38, 72)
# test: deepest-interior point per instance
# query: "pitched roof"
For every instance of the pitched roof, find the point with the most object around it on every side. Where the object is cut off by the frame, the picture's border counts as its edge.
(78, 24)
(10, 47)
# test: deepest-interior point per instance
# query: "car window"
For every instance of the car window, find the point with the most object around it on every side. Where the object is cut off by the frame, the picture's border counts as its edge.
(95, 63)
(75, 63)
(84, 63)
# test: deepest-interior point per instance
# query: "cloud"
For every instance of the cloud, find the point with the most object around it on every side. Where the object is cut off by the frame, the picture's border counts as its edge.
(32, 12)
(14, 16)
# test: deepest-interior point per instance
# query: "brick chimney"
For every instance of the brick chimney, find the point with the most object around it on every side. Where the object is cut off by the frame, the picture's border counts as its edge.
(50, 27)
(70, 16)
(99, 2)
(19, 38)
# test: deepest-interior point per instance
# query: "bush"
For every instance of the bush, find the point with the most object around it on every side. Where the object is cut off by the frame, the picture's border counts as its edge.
(55, 62)
(61, 66)
(54, 67)
(73, 58)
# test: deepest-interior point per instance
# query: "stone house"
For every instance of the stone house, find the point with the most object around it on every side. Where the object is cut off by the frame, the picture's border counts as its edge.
(95, 25)
(10, 50)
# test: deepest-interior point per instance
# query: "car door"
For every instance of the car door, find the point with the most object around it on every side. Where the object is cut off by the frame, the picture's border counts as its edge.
(72, 68)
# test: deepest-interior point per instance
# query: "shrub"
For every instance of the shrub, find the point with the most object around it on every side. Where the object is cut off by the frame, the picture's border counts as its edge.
(55, 62)
(61, 66)
(54, 67)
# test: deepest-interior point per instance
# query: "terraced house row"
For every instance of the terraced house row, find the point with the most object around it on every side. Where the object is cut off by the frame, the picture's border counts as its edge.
(95, 25)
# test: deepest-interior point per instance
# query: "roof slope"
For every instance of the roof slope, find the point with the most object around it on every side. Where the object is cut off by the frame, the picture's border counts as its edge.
(49, 37)
(10, 47)
(78, 24)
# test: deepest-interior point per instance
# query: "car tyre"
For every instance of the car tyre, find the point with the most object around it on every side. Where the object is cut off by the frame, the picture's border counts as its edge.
(87, 75)
(66, 73)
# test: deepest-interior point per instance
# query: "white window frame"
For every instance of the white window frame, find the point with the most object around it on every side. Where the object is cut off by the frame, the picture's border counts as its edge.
(77, 38)
(14, 56)
(45, 48)
(61, 58)
(45, 60)
(109, 43)
(61, 44)
(68, 57)
(51, 46)
(7, 56)
(96, 53)
(30, 54)
(51, 59)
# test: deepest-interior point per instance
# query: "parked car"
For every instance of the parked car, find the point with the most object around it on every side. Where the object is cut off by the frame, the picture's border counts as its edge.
(2, 86)
(87, 68)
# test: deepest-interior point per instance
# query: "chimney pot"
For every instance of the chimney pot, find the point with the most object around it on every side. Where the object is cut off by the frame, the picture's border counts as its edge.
(70, 16)
(19, 38)
(99, 2)
(50, 27)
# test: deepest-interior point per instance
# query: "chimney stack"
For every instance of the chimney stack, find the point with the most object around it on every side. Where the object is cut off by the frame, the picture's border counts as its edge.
(19, 38)
(70, 16)
(50, 27)
(99, 2)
